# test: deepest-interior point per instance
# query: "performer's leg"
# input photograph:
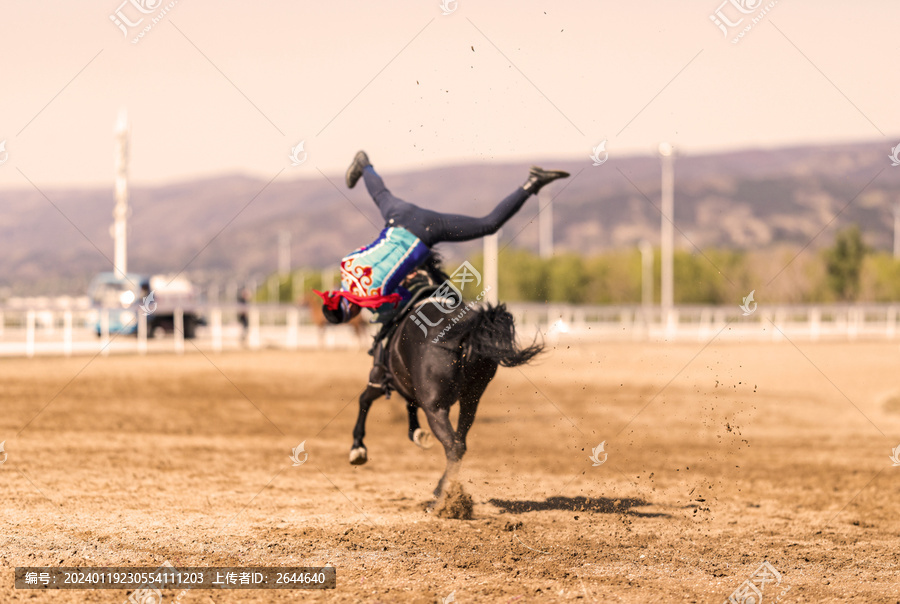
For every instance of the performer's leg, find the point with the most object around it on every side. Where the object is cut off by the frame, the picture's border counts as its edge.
(361, 167)
(455, 227)
(438, 227)
(433, 227)
(392, 208)
(377, 189)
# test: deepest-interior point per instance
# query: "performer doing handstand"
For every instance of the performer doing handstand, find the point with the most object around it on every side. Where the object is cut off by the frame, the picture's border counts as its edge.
(371, 276)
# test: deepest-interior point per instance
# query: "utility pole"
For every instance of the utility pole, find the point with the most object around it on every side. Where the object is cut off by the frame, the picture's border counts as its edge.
(897, 231)
(646, 274)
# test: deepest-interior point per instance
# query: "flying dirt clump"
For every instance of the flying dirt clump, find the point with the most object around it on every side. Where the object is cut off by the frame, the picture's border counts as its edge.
(455, 503)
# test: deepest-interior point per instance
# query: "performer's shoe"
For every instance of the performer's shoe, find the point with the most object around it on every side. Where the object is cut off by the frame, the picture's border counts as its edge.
(354, 172)
(379, 369)
(538, 177)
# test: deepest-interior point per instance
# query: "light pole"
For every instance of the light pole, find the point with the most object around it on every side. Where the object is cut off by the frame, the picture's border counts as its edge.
(491, 251)
(120, 213)
(667, 231)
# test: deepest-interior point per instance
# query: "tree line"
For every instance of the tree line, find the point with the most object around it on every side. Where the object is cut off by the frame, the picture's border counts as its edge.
(846, 271)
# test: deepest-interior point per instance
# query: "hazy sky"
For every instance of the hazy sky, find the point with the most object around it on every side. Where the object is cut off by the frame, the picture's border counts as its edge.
(220, 87)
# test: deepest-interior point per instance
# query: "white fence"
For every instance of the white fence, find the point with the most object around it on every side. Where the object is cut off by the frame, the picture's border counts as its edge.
(700, 323)
(67, 331)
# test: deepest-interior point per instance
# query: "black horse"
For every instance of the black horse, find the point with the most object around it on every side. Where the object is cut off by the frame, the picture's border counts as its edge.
(442, 351)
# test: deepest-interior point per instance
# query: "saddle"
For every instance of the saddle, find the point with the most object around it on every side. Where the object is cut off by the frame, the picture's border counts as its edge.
(421, 286)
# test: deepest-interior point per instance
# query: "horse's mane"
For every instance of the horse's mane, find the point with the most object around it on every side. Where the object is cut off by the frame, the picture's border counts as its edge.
(433, 266)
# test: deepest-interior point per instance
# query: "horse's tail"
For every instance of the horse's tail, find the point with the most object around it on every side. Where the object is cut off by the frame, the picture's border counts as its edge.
(493, 337)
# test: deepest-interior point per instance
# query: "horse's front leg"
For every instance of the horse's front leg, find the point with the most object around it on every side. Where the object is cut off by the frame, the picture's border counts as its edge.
(358, 453)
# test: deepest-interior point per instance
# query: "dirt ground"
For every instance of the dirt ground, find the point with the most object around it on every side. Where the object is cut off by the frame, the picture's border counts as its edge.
(718, 458)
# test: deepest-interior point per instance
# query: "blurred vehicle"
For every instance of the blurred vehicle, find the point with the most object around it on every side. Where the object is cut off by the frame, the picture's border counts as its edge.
(124, 298)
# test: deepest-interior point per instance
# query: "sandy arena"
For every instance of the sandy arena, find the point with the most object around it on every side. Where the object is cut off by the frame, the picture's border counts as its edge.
(751, 452)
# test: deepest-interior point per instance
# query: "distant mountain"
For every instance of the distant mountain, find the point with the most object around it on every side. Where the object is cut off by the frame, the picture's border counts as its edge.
(227, 227)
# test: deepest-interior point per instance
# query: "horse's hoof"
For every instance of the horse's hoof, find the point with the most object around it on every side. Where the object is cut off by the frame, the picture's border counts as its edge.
(358, 456)
(423, 438)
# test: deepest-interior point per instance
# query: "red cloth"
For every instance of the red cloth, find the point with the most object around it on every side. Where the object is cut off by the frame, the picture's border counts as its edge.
(333, 299)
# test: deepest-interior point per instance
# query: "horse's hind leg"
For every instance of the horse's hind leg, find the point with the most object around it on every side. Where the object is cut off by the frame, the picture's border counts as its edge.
(358, 453)
(468, 404)
(470, 396)
(467, 408)
(439, 420)
(416, 433)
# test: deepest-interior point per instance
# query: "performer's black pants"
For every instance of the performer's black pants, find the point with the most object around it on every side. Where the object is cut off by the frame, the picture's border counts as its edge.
(433, 227)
